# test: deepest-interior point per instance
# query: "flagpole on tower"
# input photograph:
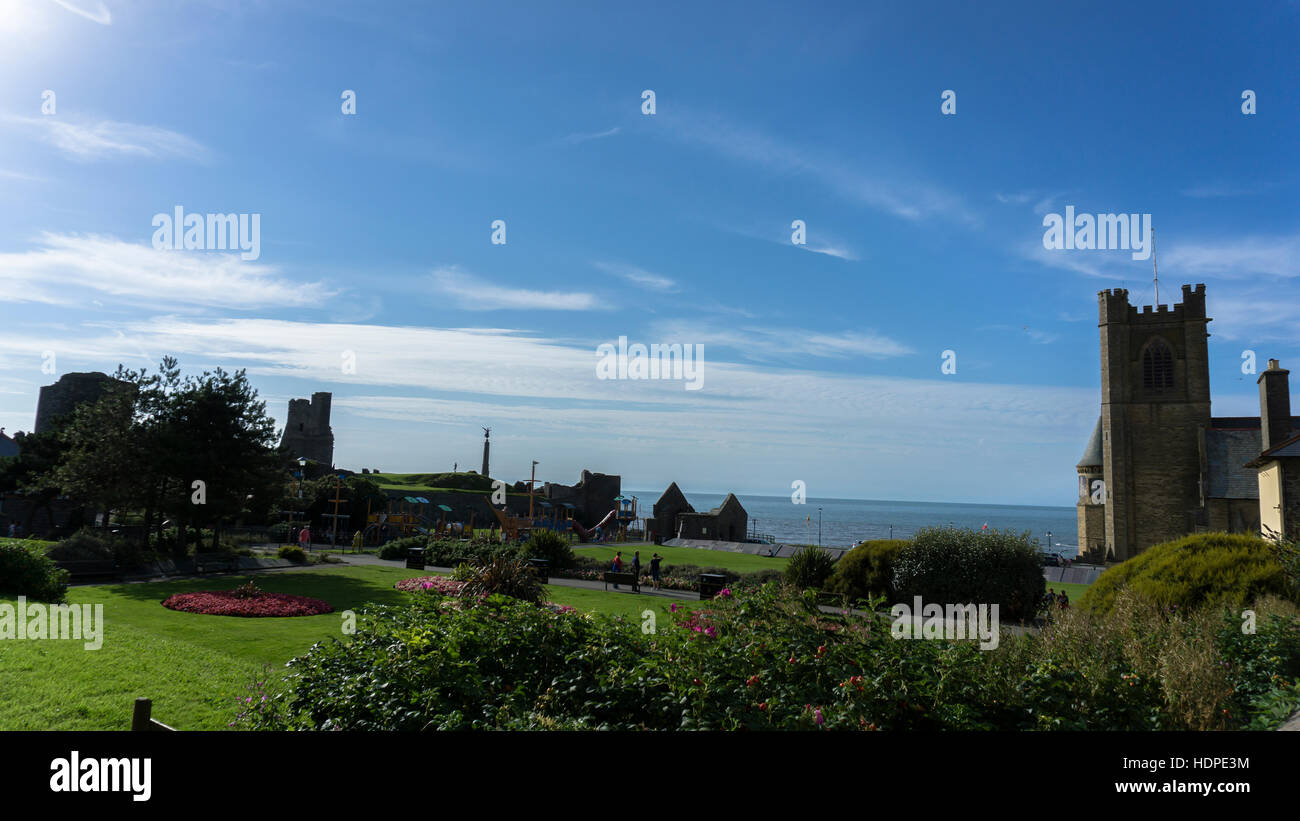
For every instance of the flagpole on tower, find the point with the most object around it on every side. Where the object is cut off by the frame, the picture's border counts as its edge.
(1155, 273)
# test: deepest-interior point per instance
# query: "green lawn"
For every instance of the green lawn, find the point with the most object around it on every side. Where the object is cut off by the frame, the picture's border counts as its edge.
(194, 667)
(1072, 591)
(627, 605)
(38, 542)
(739, 562)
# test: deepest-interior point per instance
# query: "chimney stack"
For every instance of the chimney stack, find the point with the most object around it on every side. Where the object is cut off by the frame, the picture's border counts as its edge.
(1274, 405)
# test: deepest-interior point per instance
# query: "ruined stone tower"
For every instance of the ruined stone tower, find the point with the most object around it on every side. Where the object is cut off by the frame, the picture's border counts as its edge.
(307, 432)
(59, 400)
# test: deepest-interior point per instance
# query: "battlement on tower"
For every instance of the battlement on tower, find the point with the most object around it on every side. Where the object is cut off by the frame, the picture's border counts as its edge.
(1113, 307)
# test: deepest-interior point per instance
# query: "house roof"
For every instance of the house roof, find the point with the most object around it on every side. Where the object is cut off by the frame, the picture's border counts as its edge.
(1092, 454)
(1286, 449)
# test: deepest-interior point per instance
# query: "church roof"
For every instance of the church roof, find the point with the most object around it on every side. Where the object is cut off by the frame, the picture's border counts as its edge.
(1226, 453)
(1092, 453)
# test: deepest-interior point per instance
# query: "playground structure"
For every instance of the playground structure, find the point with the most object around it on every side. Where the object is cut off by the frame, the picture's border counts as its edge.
(556, 518)
(407, 516)
(560, 518)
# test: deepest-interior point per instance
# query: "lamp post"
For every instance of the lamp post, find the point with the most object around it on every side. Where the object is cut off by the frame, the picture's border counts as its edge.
(819, 527)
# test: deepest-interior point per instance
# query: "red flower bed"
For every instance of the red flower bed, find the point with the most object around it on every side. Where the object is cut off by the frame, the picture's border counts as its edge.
(230, 603)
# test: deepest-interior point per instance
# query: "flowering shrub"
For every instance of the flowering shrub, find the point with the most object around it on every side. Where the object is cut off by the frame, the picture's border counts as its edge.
(445, 585)
(248, 601)
(771, 659)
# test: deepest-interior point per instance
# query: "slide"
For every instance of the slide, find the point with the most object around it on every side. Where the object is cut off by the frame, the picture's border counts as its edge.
(585, 535)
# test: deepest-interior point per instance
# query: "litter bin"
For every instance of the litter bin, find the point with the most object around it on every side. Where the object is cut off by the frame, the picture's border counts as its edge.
(542, 567)
(711, 584)
(415, 558)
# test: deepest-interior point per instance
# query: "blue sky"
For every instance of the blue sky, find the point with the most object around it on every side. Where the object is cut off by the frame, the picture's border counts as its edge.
(821, 361)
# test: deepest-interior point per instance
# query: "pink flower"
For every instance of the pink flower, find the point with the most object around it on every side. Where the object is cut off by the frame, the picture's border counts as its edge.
(817, 716)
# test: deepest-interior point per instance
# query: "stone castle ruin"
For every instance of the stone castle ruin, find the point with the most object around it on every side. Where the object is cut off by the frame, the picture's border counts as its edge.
(59, 400)
(307, 432)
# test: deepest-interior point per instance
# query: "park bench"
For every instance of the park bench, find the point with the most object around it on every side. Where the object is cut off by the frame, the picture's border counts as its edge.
(610, 577)
(219, 561)
(85, 569)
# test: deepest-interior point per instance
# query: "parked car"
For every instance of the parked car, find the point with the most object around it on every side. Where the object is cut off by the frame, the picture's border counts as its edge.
(1051, 560)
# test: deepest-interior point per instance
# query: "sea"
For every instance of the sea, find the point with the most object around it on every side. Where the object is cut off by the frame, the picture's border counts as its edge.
(846, 521)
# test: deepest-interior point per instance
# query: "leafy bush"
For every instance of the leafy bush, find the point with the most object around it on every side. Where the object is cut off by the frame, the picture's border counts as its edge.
(810, 567)
(505, 576)
(81, 546)
(758, 578)
(867, 570)
(168, 541)
(26, 570)
(549, 545)
(963, 566)
(278, 532)
(87, 545)
(1216, 569)
(451, 552)
(293, 553)
(397, 548)
(769, 658)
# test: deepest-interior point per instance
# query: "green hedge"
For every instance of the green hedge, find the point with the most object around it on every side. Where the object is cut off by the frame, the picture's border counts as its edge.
(1220, 569)
(25, 570)
(950, 565)
(868, 570)
(397, 548)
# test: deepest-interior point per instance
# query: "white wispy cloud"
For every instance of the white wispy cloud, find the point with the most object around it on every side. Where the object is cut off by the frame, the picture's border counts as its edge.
(908, 199)
(638, 276)
(1036, 335)
(99, 139)
(598, 135)
(99, 14)
(839, 252)
(1236, 257)
(762, 343)
(475, 294)
(62, 268)
(818, 240)
(1017, 198)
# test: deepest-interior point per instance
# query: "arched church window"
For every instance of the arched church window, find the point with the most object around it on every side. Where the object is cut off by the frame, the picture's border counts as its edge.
(1157, 366)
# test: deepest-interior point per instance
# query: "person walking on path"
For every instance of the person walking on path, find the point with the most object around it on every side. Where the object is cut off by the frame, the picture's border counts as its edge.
(357, 541)
(304, 538)
(636, 571)
(618, 564)
(654, 569)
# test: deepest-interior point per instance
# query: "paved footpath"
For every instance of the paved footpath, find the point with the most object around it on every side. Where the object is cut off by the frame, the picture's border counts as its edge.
(373, 560)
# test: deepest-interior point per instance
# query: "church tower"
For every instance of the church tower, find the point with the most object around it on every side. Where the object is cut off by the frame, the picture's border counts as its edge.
(1155, 407)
